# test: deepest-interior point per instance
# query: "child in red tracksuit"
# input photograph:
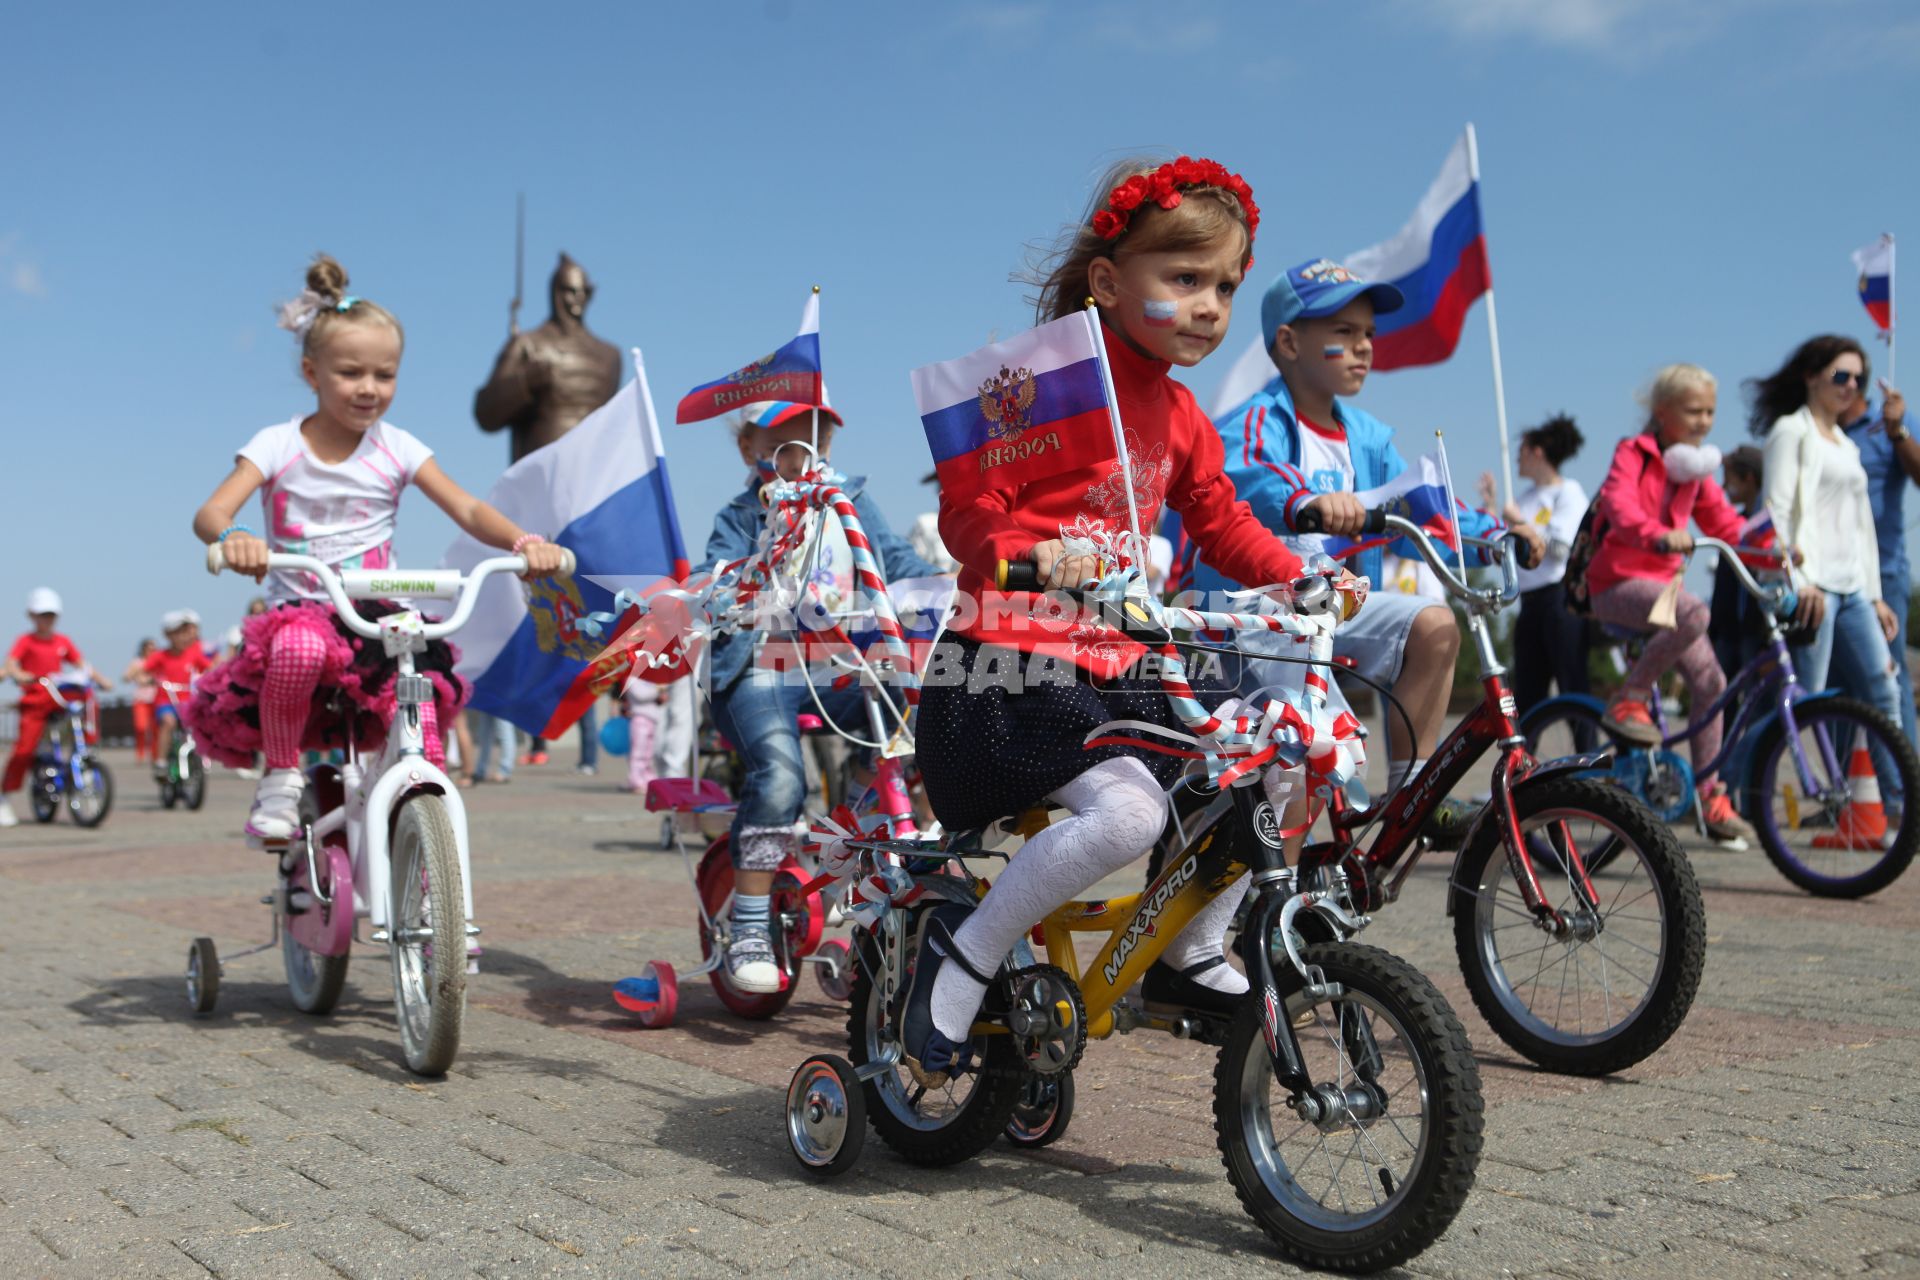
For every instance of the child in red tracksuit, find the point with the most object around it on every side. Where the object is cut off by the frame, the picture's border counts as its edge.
(40, 652)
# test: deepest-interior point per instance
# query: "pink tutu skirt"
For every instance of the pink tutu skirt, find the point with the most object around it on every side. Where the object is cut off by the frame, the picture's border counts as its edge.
(352, 705)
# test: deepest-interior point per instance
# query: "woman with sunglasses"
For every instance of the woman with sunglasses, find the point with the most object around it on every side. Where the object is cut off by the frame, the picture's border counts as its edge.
(1816, 489)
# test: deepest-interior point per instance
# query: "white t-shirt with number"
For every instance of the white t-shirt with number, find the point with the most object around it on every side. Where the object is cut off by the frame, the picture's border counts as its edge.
(338, 512)
(1327, 464)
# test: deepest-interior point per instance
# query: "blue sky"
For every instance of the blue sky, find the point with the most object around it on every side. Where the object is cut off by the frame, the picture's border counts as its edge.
(1660, 182)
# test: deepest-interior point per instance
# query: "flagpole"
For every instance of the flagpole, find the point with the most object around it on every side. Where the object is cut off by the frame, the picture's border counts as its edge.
(1493, 340)
(821, 395)
(1092, 313)
(1893, 316)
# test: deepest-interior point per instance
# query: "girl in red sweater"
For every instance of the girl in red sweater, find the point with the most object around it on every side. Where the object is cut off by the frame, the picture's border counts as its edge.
(1660, 481)
(1007, 708)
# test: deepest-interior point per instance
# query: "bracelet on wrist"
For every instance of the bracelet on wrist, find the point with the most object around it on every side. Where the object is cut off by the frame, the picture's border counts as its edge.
(524, 540)
(232, 529)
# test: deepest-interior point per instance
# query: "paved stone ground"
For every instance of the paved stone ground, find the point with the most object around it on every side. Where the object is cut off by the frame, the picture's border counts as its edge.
(1778, 1134)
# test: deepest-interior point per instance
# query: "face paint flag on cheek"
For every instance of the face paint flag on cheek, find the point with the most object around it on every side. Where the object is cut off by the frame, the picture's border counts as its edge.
(1333, 351)
(1159, 314)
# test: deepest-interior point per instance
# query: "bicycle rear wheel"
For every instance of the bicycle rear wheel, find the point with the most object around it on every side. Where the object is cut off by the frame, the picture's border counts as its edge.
(193, 780)
(427, 935)
(1381, 1178)
(1844, 840)
(1617, 981)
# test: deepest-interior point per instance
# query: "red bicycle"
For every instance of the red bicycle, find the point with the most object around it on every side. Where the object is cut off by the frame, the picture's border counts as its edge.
(1576, 915)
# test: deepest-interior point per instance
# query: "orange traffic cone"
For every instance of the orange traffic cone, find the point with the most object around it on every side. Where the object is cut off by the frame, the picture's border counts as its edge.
(1863, 823)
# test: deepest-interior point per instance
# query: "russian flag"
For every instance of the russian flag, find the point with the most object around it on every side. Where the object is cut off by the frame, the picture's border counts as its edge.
(791, 373)
(1875, 265)
(1418, 494)
(601, 490)
(1438, 261)
(1016, 411)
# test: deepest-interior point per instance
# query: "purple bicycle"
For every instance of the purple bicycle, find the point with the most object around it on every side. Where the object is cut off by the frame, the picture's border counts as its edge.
(1822, 777)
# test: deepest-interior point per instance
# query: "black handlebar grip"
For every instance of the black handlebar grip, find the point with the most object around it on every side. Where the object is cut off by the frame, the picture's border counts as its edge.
(1017, 575)
(1310, 521)
(1525, 551)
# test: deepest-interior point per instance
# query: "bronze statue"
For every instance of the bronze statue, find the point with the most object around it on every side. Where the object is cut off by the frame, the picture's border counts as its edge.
(548, 379)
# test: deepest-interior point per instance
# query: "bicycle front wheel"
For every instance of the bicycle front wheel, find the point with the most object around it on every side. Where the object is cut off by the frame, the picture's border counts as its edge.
(92, 794)
(1849, 833)
(1613, 981)
(193, 780)
(427, 935)
(1382, 1175)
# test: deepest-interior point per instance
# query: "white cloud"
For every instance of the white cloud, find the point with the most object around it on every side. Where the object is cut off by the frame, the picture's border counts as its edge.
(26, 279)
(1621, 28)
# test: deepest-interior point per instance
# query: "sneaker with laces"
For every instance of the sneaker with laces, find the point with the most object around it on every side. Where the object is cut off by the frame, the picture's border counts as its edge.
(1629, 718)
(276, 805)
(750, 965)
(1722, 823)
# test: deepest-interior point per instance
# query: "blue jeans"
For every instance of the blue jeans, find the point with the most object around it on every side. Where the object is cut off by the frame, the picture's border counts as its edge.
(490, 733)
(758, 715)
(1894, 588)
(1851, 648)
(590, 737)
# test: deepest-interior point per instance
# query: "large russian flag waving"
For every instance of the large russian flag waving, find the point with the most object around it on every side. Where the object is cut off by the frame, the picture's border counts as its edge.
(1015, 411)
(1438, 261)
(791, 373)
(1875, 265)
(601, 490)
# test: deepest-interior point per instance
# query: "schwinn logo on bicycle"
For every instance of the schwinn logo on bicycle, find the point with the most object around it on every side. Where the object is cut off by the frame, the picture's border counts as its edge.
(1266, 825)
(1149, 911)
(1507, 707)
(402, 586)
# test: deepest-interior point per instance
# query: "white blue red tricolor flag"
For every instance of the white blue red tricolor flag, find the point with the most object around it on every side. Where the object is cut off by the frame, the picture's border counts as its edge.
(1438, 261)
(1418, 494)
(600, 490)
(1016, 411)
(791, 373)
(1875, 265)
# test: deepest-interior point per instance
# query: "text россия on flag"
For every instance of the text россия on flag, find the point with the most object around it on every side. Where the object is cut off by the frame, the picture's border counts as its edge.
(1016, 411)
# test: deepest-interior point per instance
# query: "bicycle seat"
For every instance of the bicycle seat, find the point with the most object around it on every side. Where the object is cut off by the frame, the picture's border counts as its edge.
(807, 722)
(1629, 636)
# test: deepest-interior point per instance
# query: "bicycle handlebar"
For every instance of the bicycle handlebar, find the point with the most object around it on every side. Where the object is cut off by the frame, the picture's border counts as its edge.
(1730, 554)
(343, 588)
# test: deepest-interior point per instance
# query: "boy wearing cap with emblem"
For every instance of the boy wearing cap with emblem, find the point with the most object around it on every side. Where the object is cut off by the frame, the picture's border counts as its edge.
(756, 706)
(40, 652)
(1299, 442)
(174, 668)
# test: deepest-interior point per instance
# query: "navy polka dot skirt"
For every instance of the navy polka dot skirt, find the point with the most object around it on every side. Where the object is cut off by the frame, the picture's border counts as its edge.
(991, 741)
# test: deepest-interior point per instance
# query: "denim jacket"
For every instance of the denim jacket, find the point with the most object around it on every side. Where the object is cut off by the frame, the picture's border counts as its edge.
(736, 530)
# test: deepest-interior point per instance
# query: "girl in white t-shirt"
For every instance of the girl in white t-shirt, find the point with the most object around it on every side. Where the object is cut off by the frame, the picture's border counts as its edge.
(330, 485)
(1549, 643)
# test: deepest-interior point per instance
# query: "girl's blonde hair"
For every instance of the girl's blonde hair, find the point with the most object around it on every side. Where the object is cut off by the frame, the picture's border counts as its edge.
(325, 305)
(1670, 383)
(1204, 214)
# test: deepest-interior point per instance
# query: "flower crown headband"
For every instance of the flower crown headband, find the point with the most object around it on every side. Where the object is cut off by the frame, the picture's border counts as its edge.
(1163, 187)
(298, 315)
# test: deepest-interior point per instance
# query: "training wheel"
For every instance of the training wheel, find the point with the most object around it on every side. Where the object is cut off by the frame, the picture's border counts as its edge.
(203, 975)
(1044, 1111)
(834, 968)
(653, 997)
(826, 1115)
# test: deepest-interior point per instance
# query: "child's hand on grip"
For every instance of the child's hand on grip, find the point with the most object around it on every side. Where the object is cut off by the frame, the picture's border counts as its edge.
(1058, 569)
(543, 558)
(245, 553)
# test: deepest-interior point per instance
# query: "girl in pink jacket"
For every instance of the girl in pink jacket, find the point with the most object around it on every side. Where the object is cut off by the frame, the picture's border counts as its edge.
(1660, 481)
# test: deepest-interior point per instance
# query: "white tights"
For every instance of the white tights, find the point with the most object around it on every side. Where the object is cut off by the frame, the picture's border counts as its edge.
(1118, 812)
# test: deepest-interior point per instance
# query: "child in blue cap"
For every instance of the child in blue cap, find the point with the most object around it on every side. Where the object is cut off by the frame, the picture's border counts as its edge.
(1299, 442)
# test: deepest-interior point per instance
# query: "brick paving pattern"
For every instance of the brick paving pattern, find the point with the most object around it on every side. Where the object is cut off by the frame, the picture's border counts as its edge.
(1778, 1134)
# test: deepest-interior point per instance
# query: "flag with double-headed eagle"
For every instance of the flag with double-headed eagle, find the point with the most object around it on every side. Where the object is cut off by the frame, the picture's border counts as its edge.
(792, 373)
(1015, 411)
(600, 490)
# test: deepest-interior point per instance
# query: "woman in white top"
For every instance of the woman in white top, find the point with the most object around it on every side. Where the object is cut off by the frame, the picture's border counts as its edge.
(1549, 643)
(1817, 492)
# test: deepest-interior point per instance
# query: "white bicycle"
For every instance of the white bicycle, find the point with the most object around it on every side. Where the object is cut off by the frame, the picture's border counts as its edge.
(382, 838)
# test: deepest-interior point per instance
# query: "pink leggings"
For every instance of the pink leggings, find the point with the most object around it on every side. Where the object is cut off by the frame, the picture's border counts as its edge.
(1685, 646)
(295, 663)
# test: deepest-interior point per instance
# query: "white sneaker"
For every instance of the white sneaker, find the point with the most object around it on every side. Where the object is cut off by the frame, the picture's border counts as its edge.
(276, 806)
(8, 818)
(750, 965)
